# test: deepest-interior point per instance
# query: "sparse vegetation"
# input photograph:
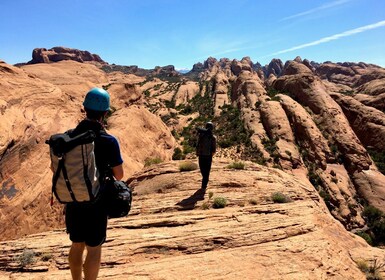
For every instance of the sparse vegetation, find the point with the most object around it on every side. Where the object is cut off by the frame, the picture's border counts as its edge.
(314, 178)
(205, 205)
(279, 197)
(378, 158)
(178, 154)
(151, 161)
(211, 194)
(26, 258)
(236, 165)
(372, 271)
(347, 92)
(108, 115)
(230, 129)
(271, 148)
(188, 166)
(375, 220)
(365, 236)
(253, 201)
(105, 87)
(219, 202)
(46, 257)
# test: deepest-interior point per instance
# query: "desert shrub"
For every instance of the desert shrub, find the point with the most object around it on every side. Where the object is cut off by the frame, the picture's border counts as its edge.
(272, 92)
(26, 258)
(169, 103)
(375, 219)
(230, 128)
(178, 154)
(211, 194)
(105, 87)
(46, 257)
(372, 214)
(372, 271)
(379, 159)
(365, 236)
(146, 93)
(151, 161)
(187, 166)
(205, 205)
(270, 145)
(279, 198)
(108, 115)
(334, 180)
(253, 201)
(236, 165)
(314, 178)
(219, 202)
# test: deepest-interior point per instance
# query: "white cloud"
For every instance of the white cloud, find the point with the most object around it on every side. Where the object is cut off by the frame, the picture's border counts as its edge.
(317, 9)
(333, 37)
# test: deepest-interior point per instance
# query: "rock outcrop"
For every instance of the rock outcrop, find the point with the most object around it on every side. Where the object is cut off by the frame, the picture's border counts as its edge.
(56, 54)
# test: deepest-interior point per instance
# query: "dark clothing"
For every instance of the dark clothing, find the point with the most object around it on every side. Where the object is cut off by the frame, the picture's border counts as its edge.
(107, 151)
(88, 222)
(207, 143)
(206, 147)
(205, 167)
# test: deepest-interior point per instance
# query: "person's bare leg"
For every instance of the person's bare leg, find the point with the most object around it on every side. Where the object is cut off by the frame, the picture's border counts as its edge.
(92, 262)
(75, 260)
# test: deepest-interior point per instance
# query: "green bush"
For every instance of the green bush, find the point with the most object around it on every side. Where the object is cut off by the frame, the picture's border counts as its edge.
(211, 194)
(279, 198)
(178, 154)
(219, 202)
(379, 159)
(372, 214)
(188, 166)
(365, 236)
(375, 219)
(236, 165)
(205, 205)
(151, 161)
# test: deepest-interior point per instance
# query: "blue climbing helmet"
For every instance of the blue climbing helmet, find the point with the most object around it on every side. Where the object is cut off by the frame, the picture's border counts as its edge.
(97, 99)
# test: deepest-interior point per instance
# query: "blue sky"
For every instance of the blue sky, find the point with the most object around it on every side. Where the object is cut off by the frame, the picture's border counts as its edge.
(183, 32)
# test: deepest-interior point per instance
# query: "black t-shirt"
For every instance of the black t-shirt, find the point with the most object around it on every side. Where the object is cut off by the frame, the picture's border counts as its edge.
(107, 150)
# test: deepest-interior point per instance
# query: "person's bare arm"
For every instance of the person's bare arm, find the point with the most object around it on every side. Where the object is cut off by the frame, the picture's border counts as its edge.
(118, 172)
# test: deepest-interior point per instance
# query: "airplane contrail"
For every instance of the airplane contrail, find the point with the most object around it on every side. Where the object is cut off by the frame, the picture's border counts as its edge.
(334, 37)
(311, 11)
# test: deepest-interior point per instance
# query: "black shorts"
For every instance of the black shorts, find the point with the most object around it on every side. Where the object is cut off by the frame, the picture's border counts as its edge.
(86, 223)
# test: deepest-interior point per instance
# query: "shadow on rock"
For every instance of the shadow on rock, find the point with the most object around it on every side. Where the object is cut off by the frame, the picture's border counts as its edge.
(190, 202)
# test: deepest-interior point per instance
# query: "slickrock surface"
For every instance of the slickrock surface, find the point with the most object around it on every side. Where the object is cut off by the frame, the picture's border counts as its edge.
(170, 234)
(42, 99)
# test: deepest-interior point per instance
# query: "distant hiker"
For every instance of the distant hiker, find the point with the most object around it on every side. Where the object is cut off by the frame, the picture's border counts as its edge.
(87, 222)
(205, 150)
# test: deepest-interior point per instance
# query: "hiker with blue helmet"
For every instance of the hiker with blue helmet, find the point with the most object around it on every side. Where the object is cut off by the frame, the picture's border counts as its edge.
(86, 223)
(205, 150)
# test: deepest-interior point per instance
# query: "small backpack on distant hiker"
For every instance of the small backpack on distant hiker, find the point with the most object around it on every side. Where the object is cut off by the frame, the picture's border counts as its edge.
(76, 177)
(205, 143)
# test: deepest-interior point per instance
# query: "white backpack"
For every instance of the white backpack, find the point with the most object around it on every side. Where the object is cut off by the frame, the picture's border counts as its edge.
(76, 177)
